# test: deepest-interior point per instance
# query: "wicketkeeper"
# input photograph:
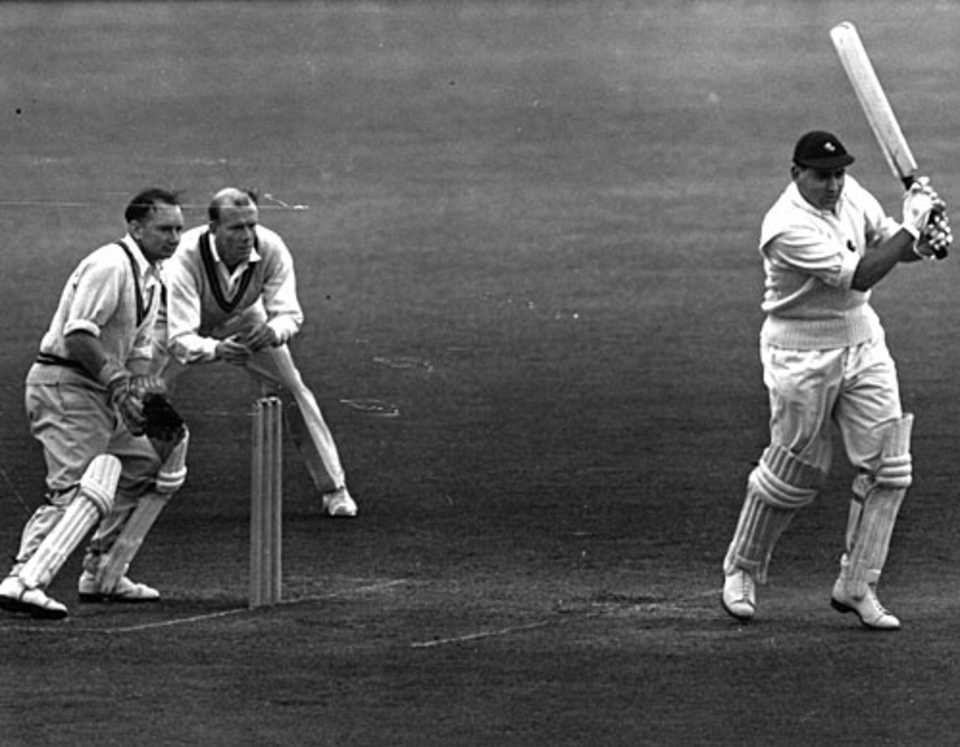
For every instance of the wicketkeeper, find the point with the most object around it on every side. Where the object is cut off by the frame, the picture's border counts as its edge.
(115, 449)
(825, 243)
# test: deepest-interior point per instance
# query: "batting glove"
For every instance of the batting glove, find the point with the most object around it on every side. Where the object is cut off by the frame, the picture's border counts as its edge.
(937, 236)
(918, 202)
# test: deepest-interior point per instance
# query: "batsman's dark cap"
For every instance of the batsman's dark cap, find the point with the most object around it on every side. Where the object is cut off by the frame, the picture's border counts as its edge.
(821, 150)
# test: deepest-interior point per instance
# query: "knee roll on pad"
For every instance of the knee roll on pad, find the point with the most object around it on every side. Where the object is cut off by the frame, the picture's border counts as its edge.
(99, 482)
(778, 487)
(784, 480)
(896, 465)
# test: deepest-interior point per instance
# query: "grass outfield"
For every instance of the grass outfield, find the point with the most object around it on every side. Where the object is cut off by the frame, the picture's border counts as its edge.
(527, 230)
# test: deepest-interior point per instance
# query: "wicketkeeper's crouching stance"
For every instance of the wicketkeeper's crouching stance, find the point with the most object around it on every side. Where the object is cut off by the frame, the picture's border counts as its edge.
(825, 242)
(114, 448)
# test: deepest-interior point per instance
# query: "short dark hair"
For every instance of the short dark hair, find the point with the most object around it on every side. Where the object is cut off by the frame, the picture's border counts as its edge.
(145, 201)
(231, 198)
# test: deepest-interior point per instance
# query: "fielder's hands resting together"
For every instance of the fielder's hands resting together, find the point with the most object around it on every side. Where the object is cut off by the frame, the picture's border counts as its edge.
(232, 350)
(261, 337)
(237, 349)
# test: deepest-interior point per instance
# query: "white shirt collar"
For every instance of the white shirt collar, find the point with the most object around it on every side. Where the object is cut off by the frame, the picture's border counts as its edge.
(254, 255)
(145, 268)
(800, 201)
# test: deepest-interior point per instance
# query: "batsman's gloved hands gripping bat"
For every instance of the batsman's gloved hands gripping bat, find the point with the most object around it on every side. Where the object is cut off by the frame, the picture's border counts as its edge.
(925, 218)
(937, 236)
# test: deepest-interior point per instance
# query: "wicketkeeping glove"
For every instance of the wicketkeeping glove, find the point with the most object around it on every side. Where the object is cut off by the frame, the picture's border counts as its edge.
(162, 421)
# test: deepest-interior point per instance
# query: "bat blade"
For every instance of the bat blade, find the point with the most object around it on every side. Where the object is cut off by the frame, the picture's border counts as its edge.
(876, 107)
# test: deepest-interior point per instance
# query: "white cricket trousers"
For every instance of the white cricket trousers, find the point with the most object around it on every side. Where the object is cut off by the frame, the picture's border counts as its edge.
(856, 387)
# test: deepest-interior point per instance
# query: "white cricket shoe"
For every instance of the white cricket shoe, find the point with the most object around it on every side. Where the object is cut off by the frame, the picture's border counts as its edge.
(126, 591)
(15, 597)
(868, 608)
(739, 596)
(339, 503)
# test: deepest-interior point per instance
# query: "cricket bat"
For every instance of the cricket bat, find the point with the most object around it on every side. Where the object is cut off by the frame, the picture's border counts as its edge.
(873, 101)
(876, 107)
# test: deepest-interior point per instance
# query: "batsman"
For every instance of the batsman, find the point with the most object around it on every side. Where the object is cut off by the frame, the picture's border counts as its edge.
(825, 243)
(115, 450)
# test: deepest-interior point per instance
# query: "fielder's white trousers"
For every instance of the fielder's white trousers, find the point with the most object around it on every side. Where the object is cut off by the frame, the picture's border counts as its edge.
(274, 367)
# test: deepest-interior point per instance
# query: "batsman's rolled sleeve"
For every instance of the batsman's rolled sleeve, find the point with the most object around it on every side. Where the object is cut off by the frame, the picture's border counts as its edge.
(183, 312)
(807, 252)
